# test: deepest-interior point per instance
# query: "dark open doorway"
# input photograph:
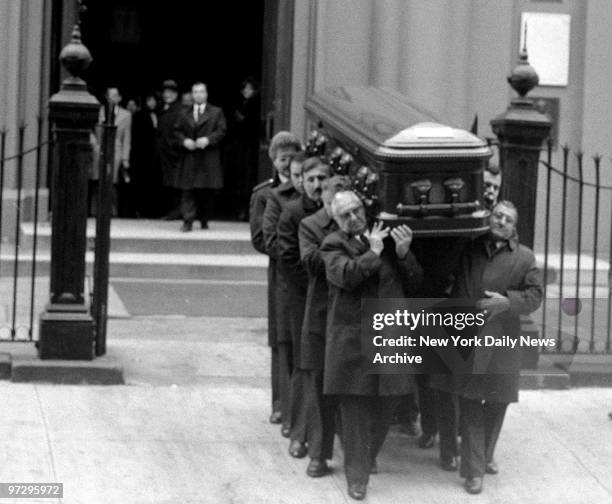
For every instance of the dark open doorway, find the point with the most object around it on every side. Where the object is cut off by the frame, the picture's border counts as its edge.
(136, 44)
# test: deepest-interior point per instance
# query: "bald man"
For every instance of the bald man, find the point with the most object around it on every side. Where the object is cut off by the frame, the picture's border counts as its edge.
(356, 268)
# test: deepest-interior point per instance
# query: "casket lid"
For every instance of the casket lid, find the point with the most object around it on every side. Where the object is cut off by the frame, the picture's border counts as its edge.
(430, 135)
(430, 140)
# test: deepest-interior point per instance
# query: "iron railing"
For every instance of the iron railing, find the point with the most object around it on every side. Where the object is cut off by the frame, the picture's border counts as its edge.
(577, 310)
(20, 325)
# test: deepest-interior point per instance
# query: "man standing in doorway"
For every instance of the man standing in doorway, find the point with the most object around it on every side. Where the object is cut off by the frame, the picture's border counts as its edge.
(169, 149)
(200, 130)
(122, 119)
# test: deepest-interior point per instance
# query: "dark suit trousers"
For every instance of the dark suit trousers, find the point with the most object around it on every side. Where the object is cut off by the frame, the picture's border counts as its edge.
(274, 371)
(299, 411)
(197, 204)
(321, 416)
(427, 406)
(446, 415)
(284, 381)
(481, 423)
(365, 423)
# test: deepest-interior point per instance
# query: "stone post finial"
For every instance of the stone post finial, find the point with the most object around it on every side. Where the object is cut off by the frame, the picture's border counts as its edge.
(524, 77)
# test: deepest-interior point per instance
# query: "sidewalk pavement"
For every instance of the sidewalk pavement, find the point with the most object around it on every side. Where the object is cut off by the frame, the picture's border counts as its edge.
(191, 426)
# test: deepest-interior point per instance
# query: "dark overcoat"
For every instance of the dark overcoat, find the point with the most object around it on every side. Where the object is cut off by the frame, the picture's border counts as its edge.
(354, 273)
(277, 198)
(168, 144)
(313, 230)
(257, 206)
(291, 264)
(510, 270)
(201, 168)
(242, 146)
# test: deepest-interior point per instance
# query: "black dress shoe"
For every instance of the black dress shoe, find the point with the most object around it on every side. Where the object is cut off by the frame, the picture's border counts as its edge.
(186, 227)
(297, 449)
(285, 431)
(317, 468)
(492, 467)
(357, 491)
(426, 441)
(473, 485)
(449, 464)
(275, 417)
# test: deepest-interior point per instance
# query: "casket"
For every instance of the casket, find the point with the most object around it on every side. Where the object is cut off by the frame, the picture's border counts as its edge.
(430, 174)
(430, 178)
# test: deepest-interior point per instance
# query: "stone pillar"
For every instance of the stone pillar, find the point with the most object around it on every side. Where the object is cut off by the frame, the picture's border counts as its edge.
(66, 326)
(521, 131)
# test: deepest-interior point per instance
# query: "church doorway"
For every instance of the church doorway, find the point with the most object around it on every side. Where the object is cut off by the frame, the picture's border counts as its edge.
(137, 44)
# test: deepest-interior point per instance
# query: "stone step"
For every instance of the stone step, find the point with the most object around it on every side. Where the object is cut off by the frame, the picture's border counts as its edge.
(155, 236)
(570, 269)
(148, 265)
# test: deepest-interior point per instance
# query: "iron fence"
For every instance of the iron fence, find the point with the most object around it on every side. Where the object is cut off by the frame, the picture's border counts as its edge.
(577, 310)
(17, 297)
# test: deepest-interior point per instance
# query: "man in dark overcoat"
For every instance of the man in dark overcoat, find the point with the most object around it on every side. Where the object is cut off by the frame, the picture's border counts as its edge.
(277, 199)
(200, 131)
(321, 409)
(283, 147)
(356, 269)
(502, 276)
(169, 148)
(314, 172)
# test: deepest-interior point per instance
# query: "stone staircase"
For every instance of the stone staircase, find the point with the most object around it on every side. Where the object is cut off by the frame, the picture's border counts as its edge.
(156, 249)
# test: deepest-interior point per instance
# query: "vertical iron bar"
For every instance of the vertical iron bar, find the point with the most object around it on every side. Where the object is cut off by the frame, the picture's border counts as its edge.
(609, 310)
(39, 121)
(577, 301)
(547, 234)
(103, 221)
(22, 128)
(566, 151)
(3, 134)
(597, 160)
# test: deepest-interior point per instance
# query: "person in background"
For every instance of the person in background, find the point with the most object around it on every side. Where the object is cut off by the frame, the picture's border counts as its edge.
(283, 147)
(200, 131)
(123, 140)
(242, 147)
(169, 149)
(187, 100)
(132, 106)
(492, 179)
(146, 170)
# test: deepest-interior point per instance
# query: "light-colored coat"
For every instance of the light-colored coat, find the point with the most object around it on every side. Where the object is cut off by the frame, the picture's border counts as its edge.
(123, 143)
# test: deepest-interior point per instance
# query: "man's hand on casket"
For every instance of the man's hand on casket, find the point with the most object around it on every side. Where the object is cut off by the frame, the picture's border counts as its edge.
(494, 303)
(376, 236)
(402, 235)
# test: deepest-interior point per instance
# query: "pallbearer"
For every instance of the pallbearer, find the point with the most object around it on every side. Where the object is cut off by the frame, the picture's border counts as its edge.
(277, 199)
(356, 269)
(321, 409)
(314, 173)
(283, 147)
(502, 276)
